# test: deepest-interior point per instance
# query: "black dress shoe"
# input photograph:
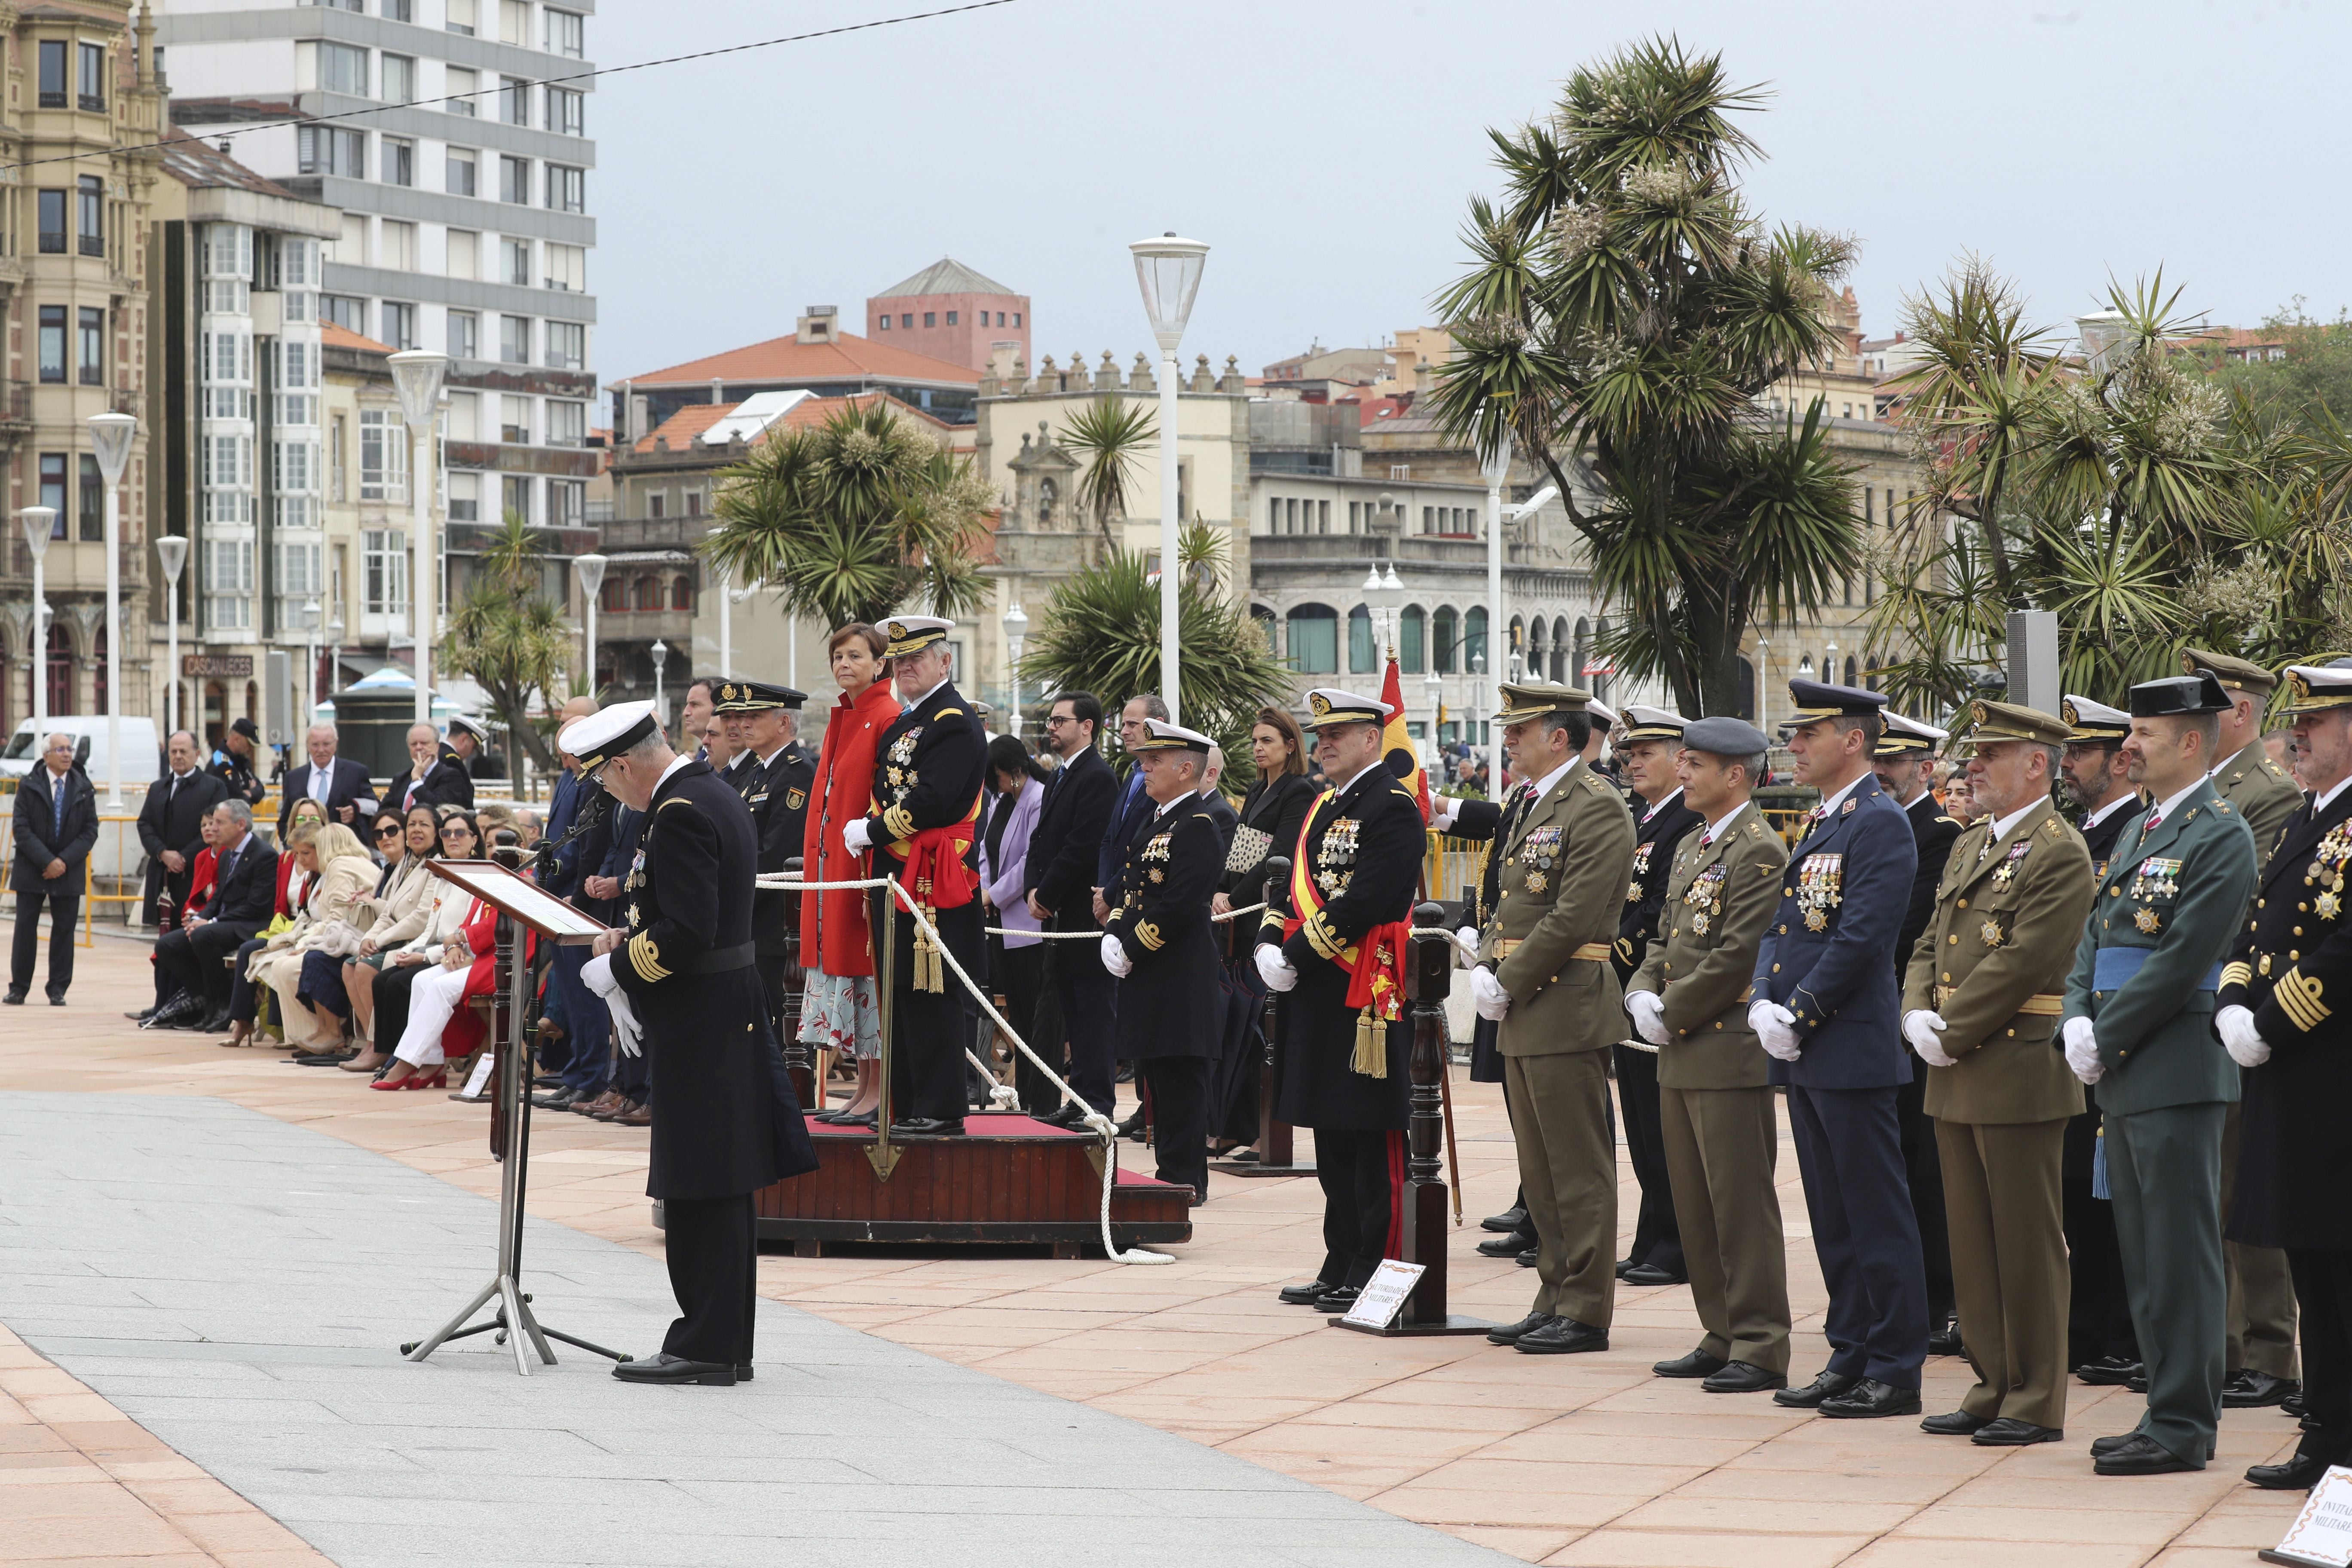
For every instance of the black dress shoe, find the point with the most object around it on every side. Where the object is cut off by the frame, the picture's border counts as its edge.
(1651, 1274)
(742, 1372)
(2008, 1432)
(2139, 1455)
(1509, 1332)
(667, 1368)
(1527, 1260)
(211, 1024)
(2109, 1445)
(57, 1001)
(1869, 1399)
(14, 999)
(1946, 1340)
(1954, 1423)
(2293, 1404)
(1698, 1363)
(2250, 1390)
(2299, 1474)
(867, 1120)
(145, 1013)
(560, 1100)
(1304, 1295)
(1510, 1219)
(1562, 1336)
(1743, 1377)
(1338, 1298)
(2136, 1383)
(926, 1127)
(2109, 1370)
(1829, 1385)
(1509, 1246)
(1624, 1267)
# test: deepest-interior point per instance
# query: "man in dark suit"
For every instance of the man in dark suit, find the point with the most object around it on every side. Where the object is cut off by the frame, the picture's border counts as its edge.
(1134, 808)
(586, 1026)
(761, 720)
(436, 775)
(1904, 758)
(338, 783)
(245, 896)
(171, 823)
(1827, 1011)
(57, 823)
(1062, 876)
(1212, 801)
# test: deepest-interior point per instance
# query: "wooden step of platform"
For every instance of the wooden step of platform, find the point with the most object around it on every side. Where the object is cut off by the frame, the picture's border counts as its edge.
(1010, 1178)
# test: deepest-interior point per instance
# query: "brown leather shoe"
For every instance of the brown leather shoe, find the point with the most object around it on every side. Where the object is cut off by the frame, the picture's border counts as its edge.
(604, 1104)
(635, 1116)
(620, 1104)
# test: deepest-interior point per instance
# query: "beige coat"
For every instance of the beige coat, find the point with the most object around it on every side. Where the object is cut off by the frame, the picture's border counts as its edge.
(405, 905)
(1709, 929)
(1560, 891)
(341, 893)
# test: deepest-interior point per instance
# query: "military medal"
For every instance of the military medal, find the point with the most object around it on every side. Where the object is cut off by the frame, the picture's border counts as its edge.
(1641, 872)
(2002, 873)
(1819, 880)
(1536, 882)
(1990, 932)
(2327, 906)
(2147, 920)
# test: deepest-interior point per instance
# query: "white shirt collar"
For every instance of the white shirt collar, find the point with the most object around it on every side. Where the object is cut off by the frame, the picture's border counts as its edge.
(2319, 801)
(1543, 786)
(1715, 829)
(926, 696)
(1671, 796)
(2001, 824)
(675, 763)
(1829, 803)
(2109, 810)
(1172, 805)
(2164, 808)
(771, 755)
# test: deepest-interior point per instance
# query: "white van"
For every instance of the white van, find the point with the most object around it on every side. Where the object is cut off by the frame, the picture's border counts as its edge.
(142, 755)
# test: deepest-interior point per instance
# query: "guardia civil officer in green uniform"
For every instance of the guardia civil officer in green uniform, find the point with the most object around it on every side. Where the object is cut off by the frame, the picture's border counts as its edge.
(2139, 1024)
(1714, 1096)
(2260, 1354)
(1981, 999)
(2283, 1018)
(762, 721)
(1543, 974)
(724, 1122)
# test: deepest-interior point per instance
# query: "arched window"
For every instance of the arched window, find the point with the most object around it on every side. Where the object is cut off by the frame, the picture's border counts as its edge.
(1599, 684)
(1533, 649)
(681, 592)
(1444, 641)
(60, 671)
(645, 594)
(1271, 626)
(1315, 639)
(609, 597)
(1474, 640)
(1411, 658)
(1048, 492)
(1363, 648)
(1581, 652)
(1852, 670)
(1748, 691)
(1560, 670)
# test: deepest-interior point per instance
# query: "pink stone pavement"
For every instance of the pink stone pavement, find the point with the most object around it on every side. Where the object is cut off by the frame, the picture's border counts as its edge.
(1581, 1459)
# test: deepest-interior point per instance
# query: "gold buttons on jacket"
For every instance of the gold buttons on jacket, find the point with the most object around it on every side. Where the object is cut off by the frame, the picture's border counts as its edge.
(2115, 893)
(1776, 968)
(1788, 893)
(1964, 903)
(1952, 940)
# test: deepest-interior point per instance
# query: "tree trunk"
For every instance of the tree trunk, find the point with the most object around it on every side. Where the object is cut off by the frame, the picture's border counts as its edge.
(1718, 617)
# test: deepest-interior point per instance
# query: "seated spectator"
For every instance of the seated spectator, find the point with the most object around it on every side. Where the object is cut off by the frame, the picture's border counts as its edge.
(298, 878)
(424, 982)
(169, 916)
(309, 1008)
(197, 955)
(403, 902)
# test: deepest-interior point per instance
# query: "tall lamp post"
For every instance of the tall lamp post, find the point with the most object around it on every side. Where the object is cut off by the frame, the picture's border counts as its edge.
(416, 376)
(310, 663)
(1169, 268)
(1764, 687)
(590, 571)
(660, 650)
(334, 649)
(726, 627)
(37, 521)
(1433, 685)
(172, 551)
(1016, 638)
(1495, 465)
(109, 436)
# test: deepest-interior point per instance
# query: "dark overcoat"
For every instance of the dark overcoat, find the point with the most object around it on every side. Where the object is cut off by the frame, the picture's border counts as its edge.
(1171, 1004)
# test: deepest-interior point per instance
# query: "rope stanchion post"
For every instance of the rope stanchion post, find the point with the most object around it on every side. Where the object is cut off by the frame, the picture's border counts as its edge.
(883, 1157)
(799, 1061)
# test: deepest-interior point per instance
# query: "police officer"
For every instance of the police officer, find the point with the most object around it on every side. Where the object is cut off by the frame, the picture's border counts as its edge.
(1982, 998)
(1646, 748)
(1333, 943)
(2260, 1354)
(1716, 1102)
(2281, 1017)
(928, 769)
(1544, 974)
(233, 762)
(761, 720)
(724, 1123)
(2139, 1022)
(1158, 942)
(1825, 1010)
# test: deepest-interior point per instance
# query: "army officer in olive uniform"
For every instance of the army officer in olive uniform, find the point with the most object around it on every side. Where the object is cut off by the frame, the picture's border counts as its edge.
(2139, 1025)
(1982, 998)
(1543, 974)
(1714, 1099)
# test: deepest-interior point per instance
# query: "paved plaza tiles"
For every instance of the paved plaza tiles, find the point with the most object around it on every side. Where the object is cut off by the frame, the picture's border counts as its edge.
(207, 1258)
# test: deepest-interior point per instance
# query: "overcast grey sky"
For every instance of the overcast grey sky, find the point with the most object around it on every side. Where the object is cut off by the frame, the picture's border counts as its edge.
(1325, 151)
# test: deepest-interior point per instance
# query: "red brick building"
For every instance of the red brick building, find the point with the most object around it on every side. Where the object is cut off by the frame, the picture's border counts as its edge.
(949, 312)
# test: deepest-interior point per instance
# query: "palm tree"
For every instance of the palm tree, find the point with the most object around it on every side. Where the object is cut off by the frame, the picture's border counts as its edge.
(1623, 318)
(1107, 433)
(852, 519)
(510, 634)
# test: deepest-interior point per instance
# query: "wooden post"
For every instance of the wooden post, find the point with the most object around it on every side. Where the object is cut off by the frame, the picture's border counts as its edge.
(1273, 1146)
(799, 1063)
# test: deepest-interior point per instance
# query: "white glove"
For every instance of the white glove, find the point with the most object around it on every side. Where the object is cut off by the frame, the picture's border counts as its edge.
(1274, 969)
(598, 974)
(1649, 1015)
(1774, 1029)
(1923, 1029)
(1114, 957)
(854, 836)
(2245, 1043)
(1487, 995)
(2082, 1050)
(1443, 810)
(1467, 939)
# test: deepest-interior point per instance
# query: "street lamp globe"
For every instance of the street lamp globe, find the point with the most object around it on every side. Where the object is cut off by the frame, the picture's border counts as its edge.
(1169, 268)
(416, 376)
(1016, 636)
(1495, 463)
(110, 437)
(37, 521)
(172, 551)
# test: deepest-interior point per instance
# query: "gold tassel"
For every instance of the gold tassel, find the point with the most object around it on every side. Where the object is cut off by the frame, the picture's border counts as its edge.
(928, 974)
(1371, 1057)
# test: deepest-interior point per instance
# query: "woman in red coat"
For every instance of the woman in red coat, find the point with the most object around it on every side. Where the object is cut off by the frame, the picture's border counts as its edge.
(838, 1011)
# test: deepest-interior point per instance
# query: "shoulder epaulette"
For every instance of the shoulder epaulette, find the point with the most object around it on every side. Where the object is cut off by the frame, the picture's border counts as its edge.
(1953, 820)
(674, 800)
(2277, 772)
(2220, 806)
(949, 713)
(2054, 827)
(1593, 782)
(1756, 830)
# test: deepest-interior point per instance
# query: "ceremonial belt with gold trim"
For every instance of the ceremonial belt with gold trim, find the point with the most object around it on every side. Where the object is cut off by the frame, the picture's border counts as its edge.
(1590, 952)
(2047, 1005)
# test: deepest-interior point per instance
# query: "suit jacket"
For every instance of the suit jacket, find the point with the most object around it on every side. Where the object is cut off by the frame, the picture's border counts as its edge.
(1715, 902)
(1172, 1003)
(173, 818)
(1562, 888)
(38, 838)
(1993, 961)
(1658, 830)
(1131, 810)
(1225, 819)
(1825, 955)
(447, 783)
(2292, 965)
(347, 785)
(1932, 834)
(2262, 791)
(2179, 895)
(247, 899)
(778, 795)
(1071, 821)
(2099, 837)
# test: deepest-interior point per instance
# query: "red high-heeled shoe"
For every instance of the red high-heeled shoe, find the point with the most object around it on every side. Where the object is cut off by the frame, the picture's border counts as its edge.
(394, 1083)
(436, 1076)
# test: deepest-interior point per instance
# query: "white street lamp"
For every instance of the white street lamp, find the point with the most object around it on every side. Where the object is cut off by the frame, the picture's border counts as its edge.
(416, 376)
(1016, 636)
(1392, 595)
(1434, 685)
(37, 521)
(590, 571)
(172, 549)
(660, 650)
(334, 649)
(1169, 270)
(1495, 465)
(1764, 687)
(109, 436)
(726, 627)
(310, 663)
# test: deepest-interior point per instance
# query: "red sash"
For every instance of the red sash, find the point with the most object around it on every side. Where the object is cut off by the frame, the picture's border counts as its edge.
(936, 872)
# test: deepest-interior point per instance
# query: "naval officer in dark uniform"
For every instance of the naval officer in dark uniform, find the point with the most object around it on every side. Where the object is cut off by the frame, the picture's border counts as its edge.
(762, 721)
(1159, 943)
(724, 1122)
(927, 769)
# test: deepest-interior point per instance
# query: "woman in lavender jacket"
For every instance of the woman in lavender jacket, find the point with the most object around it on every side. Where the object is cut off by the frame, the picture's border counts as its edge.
(1016, 961)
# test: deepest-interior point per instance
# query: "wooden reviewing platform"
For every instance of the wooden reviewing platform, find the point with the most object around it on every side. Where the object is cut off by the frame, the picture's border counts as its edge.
(1008, 1180)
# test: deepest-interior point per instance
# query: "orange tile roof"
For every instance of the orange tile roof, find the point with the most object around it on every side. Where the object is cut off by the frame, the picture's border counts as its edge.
(692, 420)
(334, 336)
(684, 425)
(788, 359)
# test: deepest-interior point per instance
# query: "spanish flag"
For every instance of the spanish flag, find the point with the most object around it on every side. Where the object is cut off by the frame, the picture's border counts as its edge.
(1396, 744)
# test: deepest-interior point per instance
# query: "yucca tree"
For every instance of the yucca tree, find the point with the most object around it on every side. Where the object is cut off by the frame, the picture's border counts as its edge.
(1107, 433)
(508, 635)
(1624, 316)
(852, 519)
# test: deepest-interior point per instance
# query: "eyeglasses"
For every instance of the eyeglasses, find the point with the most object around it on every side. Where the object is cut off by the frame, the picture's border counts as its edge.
(387, 833)
(1054, 718)
(455, 832)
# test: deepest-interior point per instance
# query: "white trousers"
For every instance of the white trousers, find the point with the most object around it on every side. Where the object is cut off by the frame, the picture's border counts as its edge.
(433, 998)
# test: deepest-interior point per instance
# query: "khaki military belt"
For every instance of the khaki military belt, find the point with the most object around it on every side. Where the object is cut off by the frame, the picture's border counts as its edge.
(2048, 1005)
(1593, 951)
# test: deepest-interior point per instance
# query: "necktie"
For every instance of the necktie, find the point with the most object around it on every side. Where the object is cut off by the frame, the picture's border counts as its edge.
(56, 808)
(2152, 818)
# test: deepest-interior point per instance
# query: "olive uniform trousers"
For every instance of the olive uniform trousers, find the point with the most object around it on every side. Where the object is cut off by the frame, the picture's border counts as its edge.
(1568, 1166)
(1721, 1147)
(2002, 1201)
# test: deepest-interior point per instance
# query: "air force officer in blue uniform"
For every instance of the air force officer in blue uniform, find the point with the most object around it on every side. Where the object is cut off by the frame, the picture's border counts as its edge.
(1826, 1008)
